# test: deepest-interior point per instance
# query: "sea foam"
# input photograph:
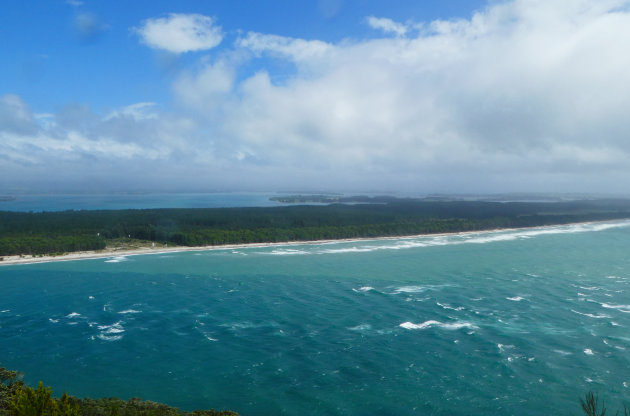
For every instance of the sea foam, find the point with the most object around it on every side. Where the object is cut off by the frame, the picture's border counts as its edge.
(364, 289)
(590, 315)
(127, 311)
(443, 325)
(620, 308)
(116, 259)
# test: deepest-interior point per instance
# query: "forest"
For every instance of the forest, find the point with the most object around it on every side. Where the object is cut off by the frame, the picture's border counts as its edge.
(39, 233)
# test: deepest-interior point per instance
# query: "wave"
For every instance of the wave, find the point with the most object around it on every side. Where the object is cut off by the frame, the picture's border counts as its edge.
(481, 237)
(364, 289)
(410, 289)
(109, 337)
(361, 328)
(442, 325)
(127, 311)
(73, 315)
(449, 307)
(588, 351)
(620, 308)
(515, 298)
(347, 250)
(113, 332)
(590, 315)
(116, 328)
(286, 252)
(117, 259)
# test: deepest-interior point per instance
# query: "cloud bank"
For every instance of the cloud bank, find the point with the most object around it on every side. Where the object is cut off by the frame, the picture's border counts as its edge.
(525, 95)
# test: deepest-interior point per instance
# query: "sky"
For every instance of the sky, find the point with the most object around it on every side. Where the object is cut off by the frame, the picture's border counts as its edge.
(412, 96)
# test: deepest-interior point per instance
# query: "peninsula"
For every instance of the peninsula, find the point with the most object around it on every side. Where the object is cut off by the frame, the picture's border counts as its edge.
(27, 237)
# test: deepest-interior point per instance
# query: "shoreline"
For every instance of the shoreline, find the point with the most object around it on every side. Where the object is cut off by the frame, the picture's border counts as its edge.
(113, 252)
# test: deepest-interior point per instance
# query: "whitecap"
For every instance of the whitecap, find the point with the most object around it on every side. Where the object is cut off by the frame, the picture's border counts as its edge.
(503, 347)
(5, 311)
(361, 328)
(515, 299)
(73, 315)
(449, 307)
(432, 323)
(410, 289)
(126, 311)
(116, 259)
(350, 250)
(287, 252)
(620, 308)
(492, 239)
(54, 321)
(588, 351)
(115, 328)
(110, 337)
(364, 289)
(482, 237)
(590, 315)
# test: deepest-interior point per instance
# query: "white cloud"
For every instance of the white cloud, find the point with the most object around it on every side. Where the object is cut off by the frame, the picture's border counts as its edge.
(523, 88)
(387, 25)
(527, 95)
(180, 33)
(16, 116)
(208, 88)
(138, 111)
(282, 46)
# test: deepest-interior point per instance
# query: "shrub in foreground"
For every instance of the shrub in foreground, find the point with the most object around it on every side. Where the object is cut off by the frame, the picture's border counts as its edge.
(18, 399)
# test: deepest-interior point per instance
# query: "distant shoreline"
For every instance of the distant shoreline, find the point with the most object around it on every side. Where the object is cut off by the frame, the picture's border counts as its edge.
(122, 252)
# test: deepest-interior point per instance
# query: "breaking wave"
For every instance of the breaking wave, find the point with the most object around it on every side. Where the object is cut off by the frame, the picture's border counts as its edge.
(442, 325)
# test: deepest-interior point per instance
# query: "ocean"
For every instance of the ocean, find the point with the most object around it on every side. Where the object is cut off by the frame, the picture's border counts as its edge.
(516, 322)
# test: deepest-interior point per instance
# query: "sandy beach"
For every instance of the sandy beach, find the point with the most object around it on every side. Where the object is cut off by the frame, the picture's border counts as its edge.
(158, 249)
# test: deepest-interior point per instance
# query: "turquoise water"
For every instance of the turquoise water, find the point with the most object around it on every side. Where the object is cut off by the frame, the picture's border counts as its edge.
(514, 322)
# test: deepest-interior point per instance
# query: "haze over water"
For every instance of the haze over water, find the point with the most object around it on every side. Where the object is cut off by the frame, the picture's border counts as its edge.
(509, 322)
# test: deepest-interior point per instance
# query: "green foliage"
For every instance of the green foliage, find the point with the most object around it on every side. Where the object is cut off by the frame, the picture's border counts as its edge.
(591, 407)
(8, 384)
(39, 402)
(68, 231)
(17, 399)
